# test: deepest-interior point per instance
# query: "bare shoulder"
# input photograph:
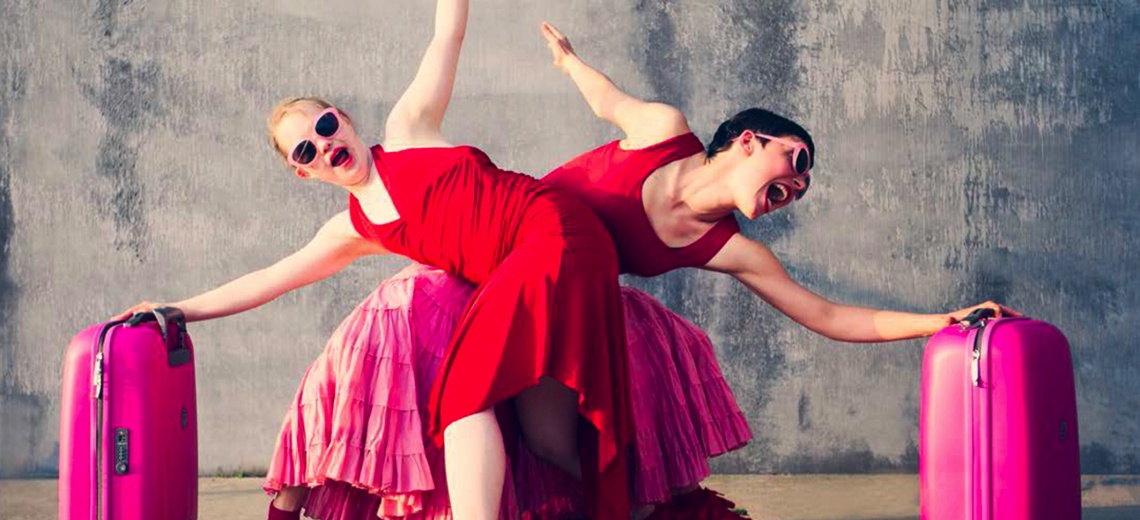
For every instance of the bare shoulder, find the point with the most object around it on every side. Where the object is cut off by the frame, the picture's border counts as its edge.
(668, 117)
(339, 233)
(340, 225)
(339, 230)
(648, 123)
(398, 143)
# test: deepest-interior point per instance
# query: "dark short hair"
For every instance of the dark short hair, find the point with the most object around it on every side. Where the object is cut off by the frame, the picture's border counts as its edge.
(760, 121)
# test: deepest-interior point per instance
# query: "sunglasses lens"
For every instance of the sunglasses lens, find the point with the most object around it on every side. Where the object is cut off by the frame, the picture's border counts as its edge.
(327, 125)
(305, 152)
(801, 162)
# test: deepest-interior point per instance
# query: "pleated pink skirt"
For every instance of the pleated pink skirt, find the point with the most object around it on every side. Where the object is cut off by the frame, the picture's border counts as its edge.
(354, 433)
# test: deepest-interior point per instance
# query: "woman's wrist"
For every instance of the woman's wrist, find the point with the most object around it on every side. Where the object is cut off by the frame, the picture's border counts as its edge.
(569, 62)
(935, 323)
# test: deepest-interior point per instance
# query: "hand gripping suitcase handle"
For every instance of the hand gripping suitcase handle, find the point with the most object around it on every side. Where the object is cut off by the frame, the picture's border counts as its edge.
(977, 317)
(172, 324)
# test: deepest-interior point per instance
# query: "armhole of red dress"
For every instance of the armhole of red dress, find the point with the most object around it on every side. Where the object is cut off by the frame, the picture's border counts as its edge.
(674, 148)
(572, 169)
(354, 215)
(657, 155)
(360, 221)
(720, 234)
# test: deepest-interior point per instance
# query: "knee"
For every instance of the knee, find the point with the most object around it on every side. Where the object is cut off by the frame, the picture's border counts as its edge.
(558, 450)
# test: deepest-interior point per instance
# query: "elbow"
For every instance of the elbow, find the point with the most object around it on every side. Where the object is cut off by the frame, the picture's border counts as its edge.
(269, 283)
(845, 324)
(827, 323)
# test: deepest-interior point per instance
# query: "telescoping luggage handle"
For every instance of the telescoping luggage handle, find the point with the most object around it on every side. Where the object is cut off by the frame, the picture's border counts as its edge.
(173, 326)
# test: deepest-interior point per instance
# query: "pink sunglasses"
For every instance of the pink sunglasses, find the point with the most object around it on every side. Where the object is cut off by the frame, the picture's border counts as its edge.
(801, 164)
(801, 159)
(327, 125)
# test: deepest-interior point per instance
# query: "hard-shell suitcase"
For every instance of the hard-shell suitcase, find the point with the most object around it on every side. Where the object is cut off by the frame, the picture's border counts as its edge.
(128, 447)
(998, 423)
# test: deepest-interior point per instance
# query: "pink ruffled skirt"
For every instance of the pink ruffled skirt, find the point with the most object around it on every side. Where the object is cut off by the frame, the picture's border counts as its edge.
(354, 433)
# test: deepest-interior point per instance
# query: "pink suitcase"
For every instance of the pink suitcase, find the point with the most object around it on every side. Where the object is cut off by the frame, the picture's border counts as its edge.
(128, 436)
(998, 423)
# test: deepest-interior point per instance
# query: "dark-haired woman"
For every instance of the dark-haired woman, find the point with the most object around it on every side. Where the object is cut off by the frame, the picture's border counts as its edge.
(669, 202)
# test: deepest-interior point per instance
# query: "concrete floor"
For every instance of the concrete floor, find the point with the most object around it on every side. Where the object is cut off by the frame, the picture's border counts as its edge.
(766, 497)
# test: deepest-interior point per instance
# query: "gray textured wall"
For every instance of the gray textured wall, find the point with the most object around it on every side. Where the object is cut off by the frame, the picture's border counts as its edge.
(968, 150)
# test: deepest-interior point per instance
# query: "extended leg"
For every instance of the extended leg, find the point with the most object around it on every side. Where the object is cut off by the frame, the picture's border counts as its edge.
(476, 466)
(548, 414)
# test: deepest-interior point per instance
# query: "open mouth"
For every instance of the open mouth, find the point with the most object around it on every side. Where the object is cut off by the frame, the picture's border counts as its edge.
(340, 157)
(778, 193)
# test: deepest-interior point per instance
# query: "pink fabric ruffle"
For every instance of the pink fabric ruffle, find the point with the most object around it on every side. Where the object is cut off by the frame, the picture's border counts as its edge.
(355, 435)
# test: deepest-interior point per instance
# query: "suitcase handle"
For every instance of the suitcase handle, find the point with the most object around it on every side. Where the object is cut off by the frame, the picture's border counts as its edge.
(978, 316)
(172, 324)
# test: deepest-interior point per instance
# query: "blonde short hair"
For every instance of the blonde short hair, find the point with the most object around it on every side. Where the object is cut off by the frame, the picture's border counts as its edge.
(290, 104)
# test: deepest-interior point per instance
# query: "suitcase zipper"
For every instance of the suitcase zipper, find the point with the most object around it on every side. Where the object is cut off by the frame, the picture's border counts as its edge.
(976, 360)
(98, 377)
(96, 422)
(976, 354)
(97, 395)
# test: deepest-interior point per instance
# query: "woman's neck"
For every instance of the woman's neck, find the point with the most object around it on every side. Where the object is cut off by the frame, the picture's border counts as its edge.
(699, 187)
(374, 198)
(371, 187)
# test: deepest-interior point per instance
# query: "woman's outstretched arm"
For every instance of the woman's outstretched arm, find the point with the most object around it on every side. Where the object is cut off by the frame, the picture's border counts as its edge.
(418, 115)
(334, 247)
(644, 123)
(754, 265)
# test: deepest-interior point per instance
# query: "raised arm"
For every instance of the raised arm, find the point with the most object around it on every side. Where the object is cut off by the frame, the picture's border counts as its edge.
(418, 114)
(644, 123)
(335, 246)
(757, 268)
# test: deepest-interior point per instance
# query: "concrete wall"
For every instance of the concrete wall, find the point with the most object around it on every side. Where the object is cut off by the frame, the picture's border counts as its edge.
(967, 150)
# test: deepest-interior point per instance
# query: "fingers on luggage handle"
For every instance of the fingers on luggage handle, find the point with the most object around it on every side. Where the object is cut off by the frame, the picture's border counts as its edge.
(172, 324)
(977, 317)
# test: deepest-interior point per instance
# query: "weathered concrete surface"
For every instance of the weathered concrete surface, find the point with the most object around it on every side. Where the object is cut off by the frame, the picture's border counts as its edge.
(968, 150)
(765, 497)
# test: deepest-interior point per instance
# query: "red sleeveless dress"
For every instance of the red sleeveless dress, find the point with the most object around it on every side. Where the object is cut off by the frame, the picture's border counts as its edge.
(609, 178)
(547, 301)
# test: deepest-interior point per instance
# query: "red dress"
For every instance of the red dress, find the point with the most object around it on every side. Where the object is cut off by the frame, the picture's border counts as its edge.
(547, 301)
(610, 178)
